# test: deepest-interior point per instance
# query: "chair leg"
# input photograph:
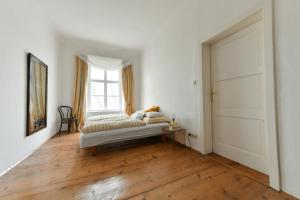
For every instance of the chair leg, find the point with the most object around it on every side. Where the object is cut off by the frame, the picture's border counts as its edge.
(60, 127)
(76, 124)
(68, 127)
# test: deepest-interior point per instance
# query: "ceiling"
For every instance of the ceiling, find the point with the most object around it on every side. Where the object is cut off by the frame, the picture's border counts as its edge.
(128, 23)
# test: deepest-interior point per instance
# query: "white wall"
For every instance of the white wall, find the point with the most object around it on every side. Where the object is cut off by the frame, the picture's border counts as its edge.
(287, 41)
(75, 46)
(23, 29)
(172, 61)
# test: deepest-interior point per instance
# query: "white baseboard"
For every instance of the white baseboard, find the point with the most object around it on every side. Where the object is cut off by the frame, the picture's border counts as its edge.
(291, 193)
(5, 171)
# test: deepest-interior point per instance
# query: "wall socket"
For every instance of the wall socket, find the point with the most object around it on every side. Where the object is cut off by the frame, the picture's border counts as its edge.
(193, 135)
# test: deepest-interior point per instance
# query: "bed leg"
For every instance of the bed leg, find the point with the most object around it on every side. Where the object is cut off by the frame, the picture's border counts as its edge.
(163, 137)
(93, 150)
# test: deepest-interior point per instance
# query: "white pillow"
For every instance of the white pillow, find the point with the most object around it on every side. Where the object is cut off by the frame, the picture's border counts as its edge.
(154, 114)
(138, 115)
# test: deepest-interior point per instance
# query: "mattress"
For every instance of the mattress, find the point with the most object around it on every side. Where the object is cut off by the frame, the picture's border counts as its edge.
(97, 126)
(117, 135)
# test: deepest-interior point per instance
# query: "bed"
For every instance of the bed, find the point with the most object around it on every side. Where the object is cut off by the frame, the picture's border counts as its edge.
(93, 135)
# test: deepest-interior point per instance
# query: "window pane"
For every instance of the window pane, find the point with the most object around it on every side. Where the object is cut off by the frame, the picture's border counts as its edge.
(113, 103)
(113, 89)
(97, 74)
(97, 88)
(113, 75)
(97, 103)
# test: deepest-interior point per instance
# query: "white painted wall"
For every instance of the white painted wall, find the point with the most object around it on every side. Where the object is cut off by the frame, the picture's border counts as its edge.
(287, 41)
(172, 60)
(23, 29)
(74, 46)
(171, 63)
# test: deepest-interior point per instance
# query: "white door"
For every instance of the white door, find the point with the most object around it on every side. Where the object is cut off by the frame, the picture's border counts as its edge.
(238, 104)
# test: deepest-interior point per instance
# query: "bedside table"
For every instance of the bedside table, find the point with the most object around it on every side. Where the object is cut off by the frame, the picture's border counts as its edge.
(171, 132)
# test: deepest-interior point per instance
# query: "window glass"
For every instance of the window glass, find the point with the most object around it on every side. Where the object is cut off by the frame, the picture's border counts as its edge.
(113, 75)
(104, 90)
(97, 103)
(97, 74)
(113, 89)
(113, 103)
(97, 88)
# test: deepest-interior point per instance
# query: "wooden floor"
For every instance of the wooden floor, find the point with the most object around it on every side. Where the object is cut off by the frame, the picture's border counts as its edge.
(148, 170)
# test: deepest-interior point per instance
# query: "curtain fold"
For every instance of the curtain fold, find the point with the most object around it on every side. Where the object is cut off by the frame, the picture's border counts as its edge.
(79, 91)
(127, 83)
(37, 94)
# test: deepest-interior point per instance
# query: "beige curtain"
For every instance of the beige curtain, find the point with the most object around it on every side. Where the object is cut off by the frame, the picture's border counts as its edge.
(79, 91)
(40, 75)
(37, 94)
(127, 83)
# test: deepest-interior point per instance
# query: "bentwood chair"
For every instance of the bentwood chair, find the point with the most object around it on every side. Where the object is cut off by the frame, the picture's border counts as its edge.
(66, 117)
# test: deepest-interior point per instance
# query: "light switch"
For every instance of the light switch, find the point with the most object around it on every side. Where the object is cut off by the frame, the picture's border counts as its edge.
(194, 82)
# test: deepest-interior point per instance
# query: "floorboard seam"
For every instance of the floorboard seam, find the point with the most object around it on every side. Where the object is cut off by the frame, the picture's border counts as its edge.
(178, 179)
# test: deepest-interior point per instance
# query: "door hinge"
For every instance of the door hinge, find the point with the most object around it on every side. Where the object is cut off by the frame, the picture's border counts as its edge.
(212, 94)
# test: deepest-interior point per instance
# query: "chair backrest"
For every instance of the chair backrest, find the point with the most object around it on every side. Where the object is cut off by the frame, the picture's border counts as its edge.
(65, 112)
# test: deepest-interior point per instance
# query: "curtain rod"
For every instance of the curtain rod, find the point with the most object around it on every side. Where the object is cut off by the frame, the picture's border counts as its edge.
(84, 57)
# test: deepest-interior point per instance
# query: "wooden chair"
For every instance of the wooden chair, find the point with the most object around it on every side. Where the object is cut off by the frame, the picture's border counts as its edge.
(66, 117)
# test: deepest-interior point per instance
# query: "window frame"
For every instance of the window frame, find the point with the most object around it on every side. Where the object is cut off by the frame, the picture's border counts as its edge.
(105, 81)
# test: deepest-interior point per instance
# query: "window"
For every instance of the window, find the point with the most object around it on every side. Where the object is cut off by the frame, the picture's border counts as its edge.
(104, 92)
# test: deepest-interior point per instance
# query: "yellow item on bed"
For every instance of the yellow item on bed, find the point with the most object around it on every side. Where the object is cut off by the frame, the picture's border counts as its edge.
(153, 109)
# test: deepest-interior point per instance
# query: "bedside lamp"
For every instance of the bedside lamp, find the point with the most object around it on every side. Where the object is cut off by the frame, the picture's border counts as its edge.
(172, 123)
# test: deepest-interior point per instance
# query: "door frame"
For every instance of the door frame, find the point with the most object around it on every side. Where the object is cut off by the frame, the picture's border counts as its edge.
(264, 13)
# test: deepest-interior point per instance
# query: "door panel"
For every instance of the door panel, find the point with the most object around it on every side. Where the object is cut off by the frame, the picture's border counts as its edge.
(244, 134)
(238, 106)
(241, 53)
(240, 97)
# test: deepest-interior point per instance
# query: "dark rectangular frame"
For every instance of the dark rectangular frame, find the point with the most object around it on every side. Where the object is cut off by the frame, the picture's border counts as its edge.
(30, 56)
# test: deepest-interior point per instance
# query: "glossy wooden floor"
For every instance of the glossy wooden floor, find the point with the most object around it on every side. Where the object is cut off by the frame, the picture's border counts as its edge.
(152, 170)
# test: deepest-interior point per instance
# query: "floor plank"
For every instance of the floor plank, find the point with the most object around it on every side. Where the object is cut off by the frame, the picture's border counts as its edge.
(257, 176)
(149, 169)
